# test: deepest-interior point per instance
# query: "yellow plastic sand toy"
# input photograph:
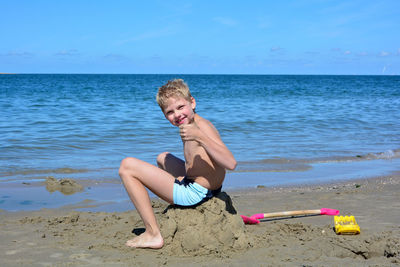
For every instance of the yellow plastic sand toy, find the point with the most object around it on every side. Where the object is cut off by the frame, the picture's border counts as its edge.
(346, 225)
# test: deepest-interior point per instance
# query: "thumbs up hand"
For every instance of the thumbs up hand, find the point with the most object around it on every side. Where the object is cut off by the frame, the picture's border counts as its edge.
(189, 132)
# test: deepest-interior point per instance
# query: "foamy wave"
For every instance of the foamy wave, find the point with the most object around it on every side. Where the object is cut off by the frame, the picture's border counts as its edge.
(294, 165)
(388, 154)
(45, 171)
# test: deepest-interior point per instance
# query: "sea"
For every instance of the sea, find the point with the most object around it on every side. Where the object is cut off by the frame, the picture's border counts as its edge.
(282, 129)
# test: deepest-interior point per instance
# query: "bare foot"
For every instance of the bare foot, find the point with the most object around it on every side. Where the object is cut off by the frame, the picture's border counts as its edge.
(146, 240)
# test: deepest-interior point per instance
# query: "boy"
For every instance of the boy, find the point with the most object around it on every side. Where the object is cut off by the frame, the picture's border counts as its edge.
(178, 182)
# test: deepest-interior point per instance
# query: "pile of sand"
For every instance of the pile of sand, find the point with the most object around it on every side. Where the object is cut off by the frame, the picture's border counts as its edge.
(65, 185)
(210, 228)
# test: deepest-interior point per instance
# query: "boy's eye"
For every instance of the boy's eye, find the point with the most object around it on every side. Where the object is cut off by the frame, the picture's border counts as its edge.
(181, 107)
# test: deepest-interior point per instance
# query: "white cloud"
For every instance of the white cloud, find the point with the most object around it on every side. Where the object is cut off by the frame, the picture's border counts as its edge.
(225, 21)
(67, 53)
(18, 54)
(384, 54)
(347, 52)
(275, 49)
(312, 53)
(115, 57)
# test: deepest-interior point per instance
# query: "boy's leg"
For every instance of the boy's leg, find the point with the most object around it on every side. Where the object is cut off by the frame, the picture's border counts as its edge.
(174, 165)
(136, 175)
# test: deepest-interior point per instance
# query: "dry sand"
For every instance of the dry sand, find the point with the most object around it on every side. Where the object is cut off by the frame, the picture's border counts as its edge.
(212, 234)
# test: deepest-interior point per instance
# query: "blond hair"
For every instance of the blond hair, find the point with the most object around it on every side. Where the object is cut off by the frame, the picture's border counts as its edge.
(173, 88)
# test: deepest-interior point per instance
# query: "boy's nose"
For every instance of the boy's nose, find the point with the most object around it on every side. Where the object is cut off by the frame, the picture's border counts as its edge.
(177, 114)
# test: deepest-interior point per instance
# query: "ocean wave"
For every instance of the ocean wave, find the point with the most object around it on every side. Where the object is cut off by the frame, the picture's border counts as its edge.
(274, 165)
(389, 154)
(295, 165)
(43, 171)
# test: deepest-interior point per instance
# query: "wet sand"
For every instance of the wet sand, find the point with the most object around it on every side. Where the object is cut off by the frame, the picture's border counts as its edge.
(213, 233)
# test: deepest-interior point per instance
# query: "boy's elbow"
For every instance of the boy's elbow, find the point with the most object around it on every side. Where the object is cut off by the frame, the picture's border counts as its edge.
(232, 165)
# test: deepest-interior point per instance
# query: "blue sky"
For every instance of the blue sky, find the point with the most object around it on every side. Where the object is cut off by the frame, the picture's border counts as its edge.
(200, 37)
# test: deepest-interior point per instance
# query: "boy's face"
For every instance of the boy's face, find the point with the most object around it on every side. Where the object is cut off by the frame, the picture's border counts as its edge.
(179, 111)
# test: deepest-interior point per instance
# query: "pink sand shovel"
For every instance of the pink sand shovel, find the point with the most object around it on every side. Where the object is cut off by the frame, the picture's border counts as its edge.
(254, 219)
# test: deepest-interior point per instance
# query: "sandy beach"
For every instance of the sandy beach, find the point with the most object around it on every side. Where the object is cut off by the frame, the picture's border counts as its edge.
(213, 235)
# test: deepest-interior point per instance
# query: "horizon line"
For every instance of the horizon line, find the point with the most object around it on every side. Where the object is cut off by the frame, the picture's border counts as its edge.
(249, 74)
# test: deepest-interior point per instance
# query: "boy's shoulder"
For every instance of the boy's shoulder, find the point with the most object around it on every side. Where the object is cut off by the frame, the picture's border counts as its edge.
(202, 121)
(205, 124)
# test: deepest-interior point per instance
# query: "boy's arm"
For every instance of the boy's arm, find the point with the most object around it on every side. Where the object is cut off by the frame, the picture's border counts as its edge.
(208, 137)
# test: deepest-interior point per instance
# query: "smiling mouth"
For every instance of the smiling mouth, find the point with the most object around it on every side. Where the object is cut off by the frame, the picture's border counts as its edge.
(180, 121)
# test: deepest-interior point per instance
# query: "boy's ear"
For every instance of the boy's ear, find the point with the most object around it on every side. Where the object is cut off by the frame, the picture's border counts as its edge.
(193, 103)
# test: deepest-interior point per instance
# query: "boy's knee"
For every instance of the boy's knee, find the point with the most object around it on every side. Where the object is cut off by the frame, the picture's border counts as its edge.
(161, 158)
(126, 165)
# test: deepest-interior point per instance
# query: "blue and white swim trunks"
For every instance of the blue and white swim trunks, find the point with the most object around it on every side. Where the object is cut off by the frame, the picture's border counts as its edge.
(189, 193)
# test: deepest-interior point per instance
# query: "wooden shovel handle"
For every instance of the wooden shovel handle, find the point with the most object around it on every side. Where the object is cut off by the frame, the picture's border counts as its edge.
(286, 213)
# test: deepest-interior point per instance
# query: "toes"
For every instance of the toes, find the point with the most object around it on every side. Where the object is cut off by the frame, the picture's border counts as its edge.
(132, 243)
(144, 241)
